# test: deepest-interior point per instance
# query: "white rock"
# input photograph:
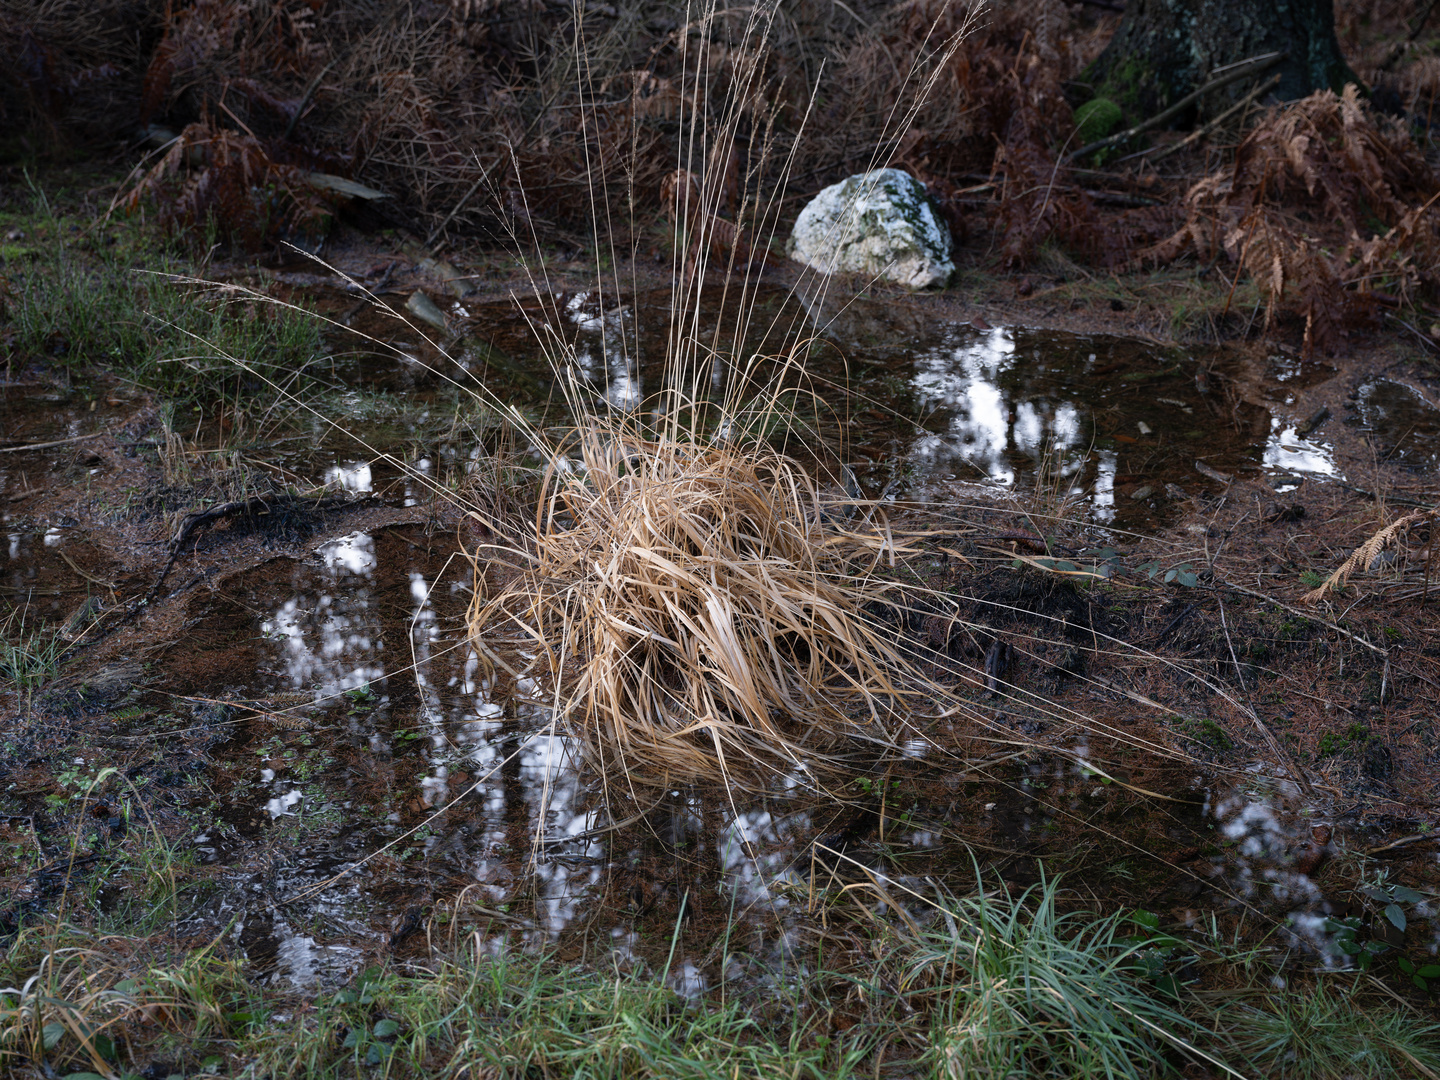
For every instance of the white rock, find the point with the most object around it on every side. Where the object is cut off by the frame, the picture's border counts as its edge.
(878, 223)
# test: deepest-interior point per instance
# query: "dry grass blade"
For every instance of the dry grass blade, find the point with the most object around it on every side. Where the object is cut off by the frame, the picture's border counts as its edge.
(1365, 554)
(695, 614)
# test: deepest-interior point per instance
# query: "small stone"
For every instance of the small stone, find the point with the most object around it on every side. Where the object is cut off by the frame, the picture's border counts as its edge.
(424, 309)
(1384, 559)
(1142, 493)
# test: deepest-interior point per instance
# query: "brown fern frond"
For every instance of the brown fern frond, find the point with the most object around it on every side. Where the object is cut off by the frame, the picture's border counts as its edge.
(1305, 183)
(1365, 554)
(234, 179)
(1038, 202)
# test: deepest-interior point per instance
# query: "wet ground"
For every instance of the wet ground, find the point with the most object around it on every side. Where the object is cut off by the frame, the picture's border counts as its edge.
(910, 402)
(290, 698)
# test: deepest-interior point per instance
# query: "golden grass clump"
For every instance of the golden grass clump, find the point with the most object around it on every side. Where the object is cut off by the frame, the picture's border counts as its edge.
(694, 613)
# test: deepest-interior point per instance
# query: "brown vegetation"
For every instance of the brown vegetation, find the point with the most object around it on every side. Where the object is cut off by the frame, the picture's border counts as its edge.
(213, 175)
(1325, 159)
(528, 122)
(693, 614)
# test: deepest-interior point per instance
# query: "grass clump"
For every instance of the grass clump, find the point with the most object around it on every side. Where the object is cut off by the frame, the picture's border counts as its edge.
(508, 1014)
(75, 999)
(991, 984)
(1015, 987)
(28, 657)
(77, 305)
(72, 1000)
(1327, 1033)
(694, 612)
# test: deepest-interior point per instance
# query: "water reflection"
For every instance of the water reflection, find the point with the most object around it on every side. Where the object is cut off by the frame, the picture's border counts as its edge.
(1286, 453)
(1112, 426)
(1111, 422)
(353, 476)
(983, 424)
(1403, 422)
(1093, 419)
(607, 353)
(329, 643)
(471, 782)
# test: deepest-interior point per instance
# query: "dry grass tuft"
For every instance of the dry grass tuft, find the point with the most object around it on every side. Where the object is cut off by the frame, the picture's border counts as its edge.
(694, 613)
(87, 998)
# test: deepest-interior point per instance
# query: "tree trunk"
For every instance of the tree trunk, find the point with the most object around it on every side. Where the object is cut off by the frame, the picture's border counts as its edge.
(1164, 49)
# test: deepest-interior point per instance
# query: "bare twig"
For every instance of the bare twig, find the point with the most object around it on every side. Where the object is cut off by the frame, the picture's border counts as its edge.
(1404, 841)
(305, 100)
(1157, 152)
(485, 173)
(1428, 341)
(1255, 65)
(1420, 23)
(1303, 614)
(48, 445)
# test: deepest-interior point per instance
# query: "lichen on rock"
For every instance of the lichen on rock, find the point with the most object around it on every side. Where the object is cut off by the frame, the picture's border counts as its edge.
(878, 223)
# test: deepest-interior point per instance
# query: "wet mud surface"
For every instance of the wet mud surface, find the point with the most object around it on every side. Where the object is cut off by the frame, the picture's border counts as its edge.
(295, 705)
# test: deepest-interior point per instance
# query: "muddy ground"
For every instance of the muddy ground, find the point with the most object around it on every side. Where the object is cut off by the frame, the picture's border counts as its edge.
(262, 633)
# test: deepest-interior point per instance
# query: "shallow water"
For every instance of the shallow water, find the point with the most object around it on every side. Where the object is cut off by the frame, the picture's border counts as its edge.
(395, 780)
(1118, 429)
(402, 783)
(1404, 425)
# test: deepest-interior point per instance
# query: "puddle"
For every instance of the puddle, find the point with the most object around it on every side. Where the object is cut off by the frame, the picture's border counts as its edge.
(1403, 425)
(1119, 429)
(1290, 457)
(358, 770)
(1112, 424)
(366, 774)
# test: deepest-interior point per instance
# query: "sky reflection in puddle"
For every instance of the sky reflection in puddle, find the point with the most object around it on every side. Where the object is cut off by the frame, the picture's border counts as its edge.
(1404, 425)
(1115, 424)
(486, 785)
(1288, 455)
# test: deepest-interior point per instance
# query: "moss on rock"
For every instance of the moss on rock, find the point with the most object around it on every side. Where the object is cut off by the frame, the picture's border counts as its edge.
(1096, 119)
